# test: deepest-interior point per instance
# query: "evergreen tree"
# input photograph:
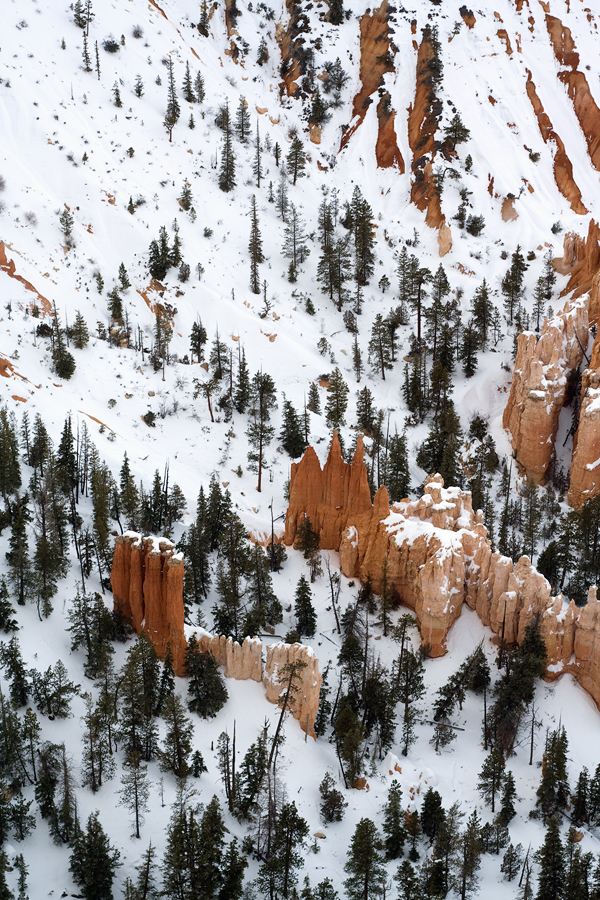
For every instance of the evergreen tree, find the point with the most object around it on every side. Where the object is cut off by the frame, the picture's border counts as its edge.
(93, 861)
(553, 793)
(455, 132)
(512, 283)
(199, 86)
(206, 690)
(227, 170)
(81, 335)
(91, 627)
(242, 121)
(512, 861)
(87, 59)
(185, 199)
(397, 478)
(19, 564)
(332, 801)
(117, 95)
(432, 814)
(97, 760)
(12, 662)
(135, 789)
(257, 169)
(409, 688)
(468, 858)
(296, 159)
(318, 110)
(364, 238)
(295, 247)
(8, 622)
(333, 271)
(198, 339)
(380, 357)
(138, 88)
(337, 400)
(260, 433)
(364, 865)
(393, 823)
(580, 798)
(255, 249)
(306, 617)
(314, 401)
(64, 363)
(188, 91)
(173, 109)
(509, 794)
(10, 467)
(307, 541)
(552, 864)
(175, 754)
(491, 777)
(292, 436)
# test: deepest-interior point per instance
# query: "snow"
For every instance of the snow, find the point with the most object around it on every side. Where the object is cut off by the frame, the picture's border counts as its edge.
(52, 109)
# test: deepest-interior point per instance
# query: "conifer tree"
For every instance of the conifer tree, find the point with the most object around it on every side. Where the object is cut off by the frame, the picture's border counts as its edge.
(64, 363)
(8, 622)
(11, 661)
(364, 239)
(255, 249)
(552, 864)
(206, 690)
(257, 170)
(93, 861)
(292, 435)
(380, 357)
(227, 170)
(199, 86)
(306, 617)
(173, 109)
(117, 95)
(87, 59)
(188, 92)
(242, 121)
(333, 271)
(135, 789)
(337, 400)
(198, 339)
(19, 564)
(491, 777)
(260, 433)
(410, 688)
(393, 823)
(364, 865)
(295, 247)
(467, 858)
(314, 401)
(296, 159)
(243, 388)
(319, 114)
(138, 88)
(81, 335)
(512, 283)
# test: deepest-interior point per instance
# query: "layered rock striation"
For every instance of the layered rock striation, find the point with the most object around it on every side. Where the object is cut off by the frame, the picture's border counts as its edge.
(542, 368)
(437, 556)
(147, 584)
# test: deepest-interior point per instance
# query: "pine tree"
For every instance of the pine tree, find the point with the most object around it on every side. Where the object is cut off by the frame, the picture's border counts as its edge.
(296, 160)
(281, 202)
(260, 433)
(93, 861)
(397, 471)
(11, 661)
(468, 858)
(19, 564)
(117, 95)
(333, 271)
(173, 109)
(255, 249)
(337, 400)
(87, 59)
(410, 688)
(81, 335)
(97, 760)
(198, 339)
(138, 88)
(432, 814)
(292, 436)
(227, 171)
(257, 170)
(512, 283)
(206, 690)
(135, 789)
(8, 622)
(509, 795)
(468, 350)
(482, 310)
(380, 357)
(243, 388)
(295, 247)
(188, 92)
(552, 864)
(314, 401)
(491, 777)
(64, 363)
(318, 110)
(332, 804)
(455, 132)
(177, 749)
(242, 121)
(364, 238)
(393, 823)
(409, 886)
(364, 865)
(306, 617)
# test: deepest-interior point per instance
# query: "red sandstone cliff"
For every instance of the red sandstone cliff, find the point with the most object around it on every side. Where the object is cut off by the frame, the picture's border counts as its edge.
(438, 556)
(147, 586)
(538, 388)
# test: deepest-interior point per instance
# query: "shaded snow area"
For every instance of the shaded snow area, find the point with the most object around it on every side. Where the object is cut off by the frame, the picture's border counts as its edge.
(64, 143)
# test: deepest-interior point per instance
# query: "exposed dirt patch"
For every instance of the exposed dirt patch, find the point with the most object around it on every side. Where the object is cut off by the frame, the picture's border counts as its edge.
(9, 267)
(503, 35)
(509, 213)
(387, 152)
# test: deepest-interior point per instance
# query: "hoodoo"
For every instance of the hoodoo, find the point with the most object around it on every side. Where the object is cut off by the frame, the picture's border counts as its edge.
(437, 556)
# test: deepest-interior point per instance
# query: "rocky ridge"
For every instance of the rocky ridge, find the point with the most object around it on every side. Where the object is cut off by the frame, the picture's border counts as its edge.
(542, 368)
(437, 556)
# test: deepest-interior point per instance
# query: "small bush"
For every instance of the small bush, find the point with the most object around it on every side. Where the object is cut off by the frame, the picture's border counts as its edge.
(184, 272)
(149, 418)
(475, 225)
(208, 232)
(138, 31)
(2, 184)
(110, 45)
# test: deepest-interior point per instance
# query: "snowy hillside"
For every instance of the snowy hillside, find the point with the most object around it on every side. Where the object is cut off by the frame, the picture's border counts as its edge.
(91, 170)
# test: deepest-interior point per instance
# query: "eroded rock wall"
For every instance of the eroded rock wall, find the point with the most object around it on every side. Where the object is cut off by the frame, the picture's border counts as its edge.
(305, 703)
(438, 556)
(147, 584)
(539, 385)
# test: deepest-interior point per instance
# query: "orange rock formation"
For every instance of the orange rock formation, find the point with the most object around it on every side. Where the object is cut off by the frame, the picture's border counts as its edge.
(438, 556)
(8, 266)
(539, 384)
(375, 61)
(563, 168)
(585, 106)
(147, 586)
(423, 117)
